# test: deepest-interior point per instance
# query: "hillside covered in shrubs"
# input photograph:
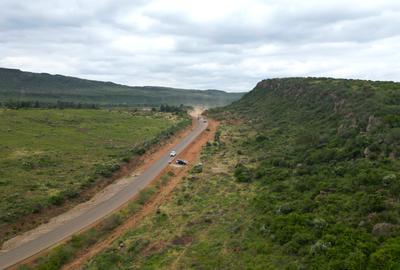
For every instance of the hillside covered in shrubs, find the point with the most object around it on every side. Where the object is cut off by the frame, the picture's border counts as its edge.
(324, 156)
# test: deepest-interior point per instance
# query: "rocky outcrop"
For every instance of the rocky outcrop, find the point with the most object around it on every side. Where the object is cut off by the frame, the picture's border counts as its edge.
(373, 123)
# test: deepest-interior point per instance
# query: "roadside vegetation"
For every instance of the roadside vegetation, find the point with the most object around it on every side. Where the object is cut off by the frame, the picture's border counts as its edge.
(200, 227)
(49, 156)
(303, 174)
(64, 253)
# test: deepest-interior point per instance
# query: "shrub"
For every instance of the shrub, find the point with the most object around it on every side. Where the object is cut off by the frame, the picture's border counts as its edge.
(198, 168)
(58, 257)
(242, 174)
(387, 256)
(372, 203)
(393, 120)
(70, 193)
(393, 136)
(145, 195)
(110, 223)
(108, 260)
(308, 138)
(140, 151)
(57, 199)
(261, 138)
(217, 136)
(106, 169)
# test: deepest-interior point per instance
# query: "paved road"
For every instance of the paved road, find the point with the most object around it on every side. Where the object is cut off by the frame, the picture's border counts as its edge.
(28, 249)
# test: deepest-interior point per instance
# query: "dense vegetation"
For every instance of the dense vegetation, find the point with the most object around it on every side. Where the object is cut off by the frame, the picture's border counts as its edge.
(303, 174)
(23, 104)
(323, 154)
(26, 86)
(49, 156)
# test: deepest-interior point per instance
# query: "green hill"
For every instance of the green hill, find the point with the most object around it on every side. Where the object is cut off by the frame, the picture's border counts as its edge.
(43, 87)
(322, 155)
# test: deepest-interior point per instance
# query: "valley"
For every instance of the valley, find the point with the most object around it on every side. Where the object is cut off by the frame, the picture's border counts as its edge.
(301, 173)
(200, 135)
(287, 183)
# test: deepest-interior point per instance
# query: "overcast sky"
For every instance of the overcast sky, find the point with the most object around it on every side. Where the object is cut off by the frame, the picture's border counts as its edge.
(205, 44)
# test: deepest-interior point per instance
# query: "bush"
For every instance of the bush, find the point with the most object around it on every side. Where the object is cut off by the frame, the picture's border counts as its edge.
(393, 136)
(57, 199)
(217, 136)
(372, 203)
(110, 223)
(58, 257)
(145, 195)
(197, 168)
(308, 138)
(242, 174)
(393, 120)
(70, 193)
(140, 151)
(387, 256)
(106, 169)
(108, 260)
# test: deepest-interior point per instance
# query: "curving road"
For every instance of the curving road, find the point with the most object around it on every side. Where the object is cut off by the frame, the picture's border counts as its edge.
(13, 256)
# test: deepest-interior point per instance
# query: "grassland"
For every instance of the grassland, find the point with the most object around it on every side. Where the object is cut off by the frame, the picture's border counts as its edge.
(304, 174)
(49, 156)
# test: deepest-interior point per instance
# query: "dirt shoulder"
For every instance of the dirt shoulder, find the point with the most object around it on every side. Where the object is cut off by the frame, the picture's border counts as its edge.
(191, 154)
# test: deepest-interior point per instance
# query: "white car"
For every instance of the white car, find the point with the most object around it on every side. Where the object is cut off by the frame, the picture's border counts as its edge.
(172, 154)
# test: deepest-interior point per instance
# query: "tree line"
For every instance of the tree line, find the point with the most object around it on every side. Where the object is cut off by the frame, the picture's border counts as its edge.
(173, 108)
(19, 104)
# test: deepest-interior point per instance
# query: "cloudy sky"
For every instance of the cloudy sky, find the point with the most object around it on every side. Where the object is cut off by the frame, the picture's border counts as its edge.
(207, 44)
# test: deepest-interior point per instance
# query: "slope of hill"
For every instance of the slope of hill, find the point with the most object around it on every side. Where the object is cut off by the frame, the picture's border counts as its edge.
(323, 154)
(19, 85)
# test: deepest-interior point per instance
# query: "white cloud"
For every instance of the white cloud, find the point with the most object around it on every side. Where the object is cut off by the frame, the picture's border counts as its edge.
(139, 44)
(218, 44)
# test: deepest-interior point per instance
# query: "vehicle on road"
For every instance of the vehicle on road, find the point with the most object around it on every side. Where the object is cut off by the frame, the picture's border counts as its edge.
(181, 162)
(172, 154)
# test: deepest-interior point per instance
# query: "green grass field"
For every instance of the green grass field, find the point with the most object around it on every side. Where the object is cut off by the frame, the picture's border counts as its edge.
(49, 156)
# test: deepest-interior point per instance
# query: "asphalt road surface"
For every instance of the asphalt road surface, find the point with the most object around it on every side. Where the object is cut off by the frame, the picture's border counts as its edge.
(30, 248)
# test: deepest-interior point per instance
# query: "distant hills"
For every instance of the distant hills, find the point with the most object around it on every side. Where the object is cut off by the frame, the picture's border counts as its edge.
(27, 86)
